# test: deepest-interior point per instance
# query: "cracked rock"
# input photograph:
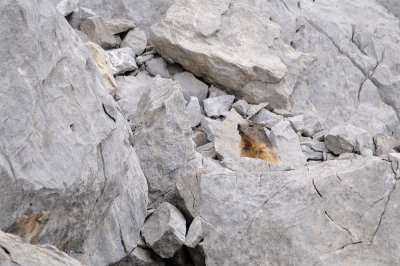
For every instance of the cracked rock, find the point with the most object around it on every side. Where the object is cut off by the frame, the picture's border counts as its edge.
(191, 86)
(122, 60)
(165, 230)
(218, 106)
(346, 138)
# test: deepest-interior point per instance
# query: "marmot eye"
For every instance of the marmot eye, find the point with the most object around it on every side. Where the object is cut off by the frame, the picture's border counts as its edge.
(251, 125)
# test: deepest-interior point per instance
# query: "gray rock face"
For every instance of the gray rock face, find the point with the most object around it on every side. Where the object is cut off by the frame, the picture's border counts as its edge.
(13, 251)
(99, 33)
(158, 66)
(195, 233)
(165, 230)
(346, 138)
(117, 26)
(392, 6)
(218, 106)
(267, 118)
(162, 138)
(209, 126)
(241, 107)
(143, 12)
(135, 39)
(209, 42)
(69, 175)
(291, 217)
(80, 15)
(312, 124)
(394, 158)
(193, 110)
(384, 144)
(287, 144)
(140, 257)
(122, 60)
(66, 7)
(191, 86)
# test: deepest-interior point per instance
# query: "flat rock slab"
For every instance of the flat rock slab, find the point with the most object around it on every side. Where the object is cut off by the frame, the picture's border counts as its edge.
(222, 42)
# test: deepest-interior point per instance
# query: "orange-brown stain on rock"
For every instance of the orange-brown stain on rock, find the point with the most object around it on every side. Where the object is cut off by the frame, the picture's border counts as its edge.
(255, 143)
(29, 227)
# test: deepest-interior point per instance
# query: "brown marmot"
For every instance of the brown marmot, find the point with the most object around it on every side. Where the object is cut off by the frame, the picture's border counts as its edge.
(255, 142)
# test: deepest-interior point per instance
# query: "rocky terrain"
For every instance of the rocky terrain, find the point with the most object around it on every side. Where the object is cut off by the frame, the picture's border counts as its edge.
(213, 132)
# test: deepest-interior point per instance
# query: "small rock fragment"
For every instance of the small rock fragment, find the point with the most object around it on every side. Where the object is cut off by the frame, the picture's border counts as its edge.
(384, 144)
(66, 7)
(98, 32)
(193, 110)
(218, 106)
(312, 124)
(254, 109)
(191, 86)
(195, 233)
(117, 26)
(214, 92)
(165, 230)
(287, 144)
(241, 107)
(346, 138)
(209, 126)
(158, 66)
(267, 118)
(199, 138)
(80, 15)
(207, 150)
(136, 39)
(297, 123)
(122, 60)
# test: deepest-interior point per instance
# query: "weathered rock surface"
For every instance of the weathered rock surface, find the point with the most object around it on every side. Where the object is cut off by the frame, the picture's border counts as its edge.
(338, 209)
(224, 51)
(135, 39)
(13, 251)
(98, 32)
(162, 137)
(287, 144)
(195, 233)
(158, 66)
(191, 86)
(165, 230)
(143, 12)
(346, 138)
(69, 175)
(122, 60)
(218, 106)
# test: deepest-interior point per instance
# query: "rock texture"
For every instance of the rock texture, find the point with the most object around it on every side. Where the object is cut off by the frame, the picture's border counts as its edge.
(13, 251)
(69, 175)
(225, 52)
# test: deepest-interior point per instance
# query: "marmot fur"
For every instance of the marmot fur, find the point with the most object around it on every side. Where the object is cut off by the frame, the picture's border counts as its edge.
(255, 143)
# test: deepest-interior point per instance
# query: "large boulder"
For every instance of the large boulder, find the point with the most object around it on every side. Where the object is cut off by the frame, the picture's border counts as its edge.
(69, 175)
(143, 12)
(13, 251)
(222, 42)
(331, 212)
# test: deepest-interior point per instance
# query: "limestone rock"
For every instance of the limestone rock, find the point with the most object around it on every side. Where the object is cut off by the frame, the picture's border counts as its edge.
(135, 39)
(69, 175)
(82, 36)
(141, 257)
(394, 158)
(99, 33)
(104, 65)
(287, 144)
(214, 92)
(140, 60)
(255, 108)
(195, 233)
(66, 7)
(80, 15)
(212, 39)
(312, 124)
(218, 106)
(346, 138)
(165, 230)
(144, 12)
(384, 144)
(117, 26)
(13, 251)
(209, 126)
(241, 107)
(162, 138)
(122, 60)
(207, 150)
(255, 218)
(199, 137)
(191, 86)
(193, 110)
(267, 118)
(158, 66)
